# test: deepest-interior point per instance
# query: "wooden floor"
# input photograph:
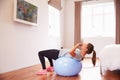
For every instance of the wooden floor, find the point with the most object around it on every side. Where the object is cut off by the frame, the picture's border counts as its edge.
(88, 73)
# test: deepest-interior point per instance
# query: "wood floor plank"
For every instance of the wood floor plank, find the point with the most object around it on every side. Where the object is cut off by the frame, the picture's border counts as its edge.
(88, 73)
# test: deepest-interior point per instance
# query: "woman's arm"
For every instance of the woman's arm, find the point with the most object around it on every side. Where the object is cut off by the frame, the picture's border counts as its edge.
(74, 48)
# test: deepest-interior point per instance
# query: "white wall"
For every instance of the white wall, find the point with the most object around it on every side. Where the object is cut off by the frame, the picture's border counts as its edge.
(69, 24)
(20, 43)
(99, 42)
(62, 22)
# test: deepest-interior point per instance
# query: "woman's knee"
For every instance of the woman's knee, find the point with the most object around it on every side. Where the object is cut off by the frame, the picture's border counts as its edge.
(40, 53)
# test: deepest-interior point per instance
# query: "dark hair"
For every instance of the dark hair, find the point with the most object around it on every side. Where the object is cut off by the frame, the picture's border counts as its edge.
(90, 50)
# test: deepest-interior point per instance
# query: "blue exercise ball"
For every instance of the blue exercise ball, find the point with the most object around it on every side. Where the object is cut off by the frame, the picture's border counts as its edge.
(67, 66)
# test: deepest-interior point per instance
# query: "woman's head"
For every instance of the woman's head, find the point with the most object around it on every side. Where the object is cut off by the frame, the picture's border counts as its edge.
(88, 49)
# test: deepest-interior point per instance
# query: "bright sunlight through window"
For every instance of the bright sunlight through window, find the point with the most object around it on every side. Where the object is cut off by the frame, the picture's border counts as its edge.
(98, 20)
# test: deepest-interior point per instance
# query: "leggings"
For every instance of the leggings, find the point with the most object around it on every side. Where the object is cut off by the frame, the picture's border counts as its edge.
(50, 54)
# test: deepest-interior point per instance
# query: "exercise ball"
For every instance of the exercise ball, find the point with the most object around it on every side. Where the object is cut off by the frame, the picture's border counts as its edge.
(67, 66)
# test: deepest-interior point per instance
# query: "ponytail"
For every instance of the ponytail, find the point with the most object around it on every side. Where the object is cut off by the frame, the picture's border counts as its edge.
(90, 50)
(94, 57)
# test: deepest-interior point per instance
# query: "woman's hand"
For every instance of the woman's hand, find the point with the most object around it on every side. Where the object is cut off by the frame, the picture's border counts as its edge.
(74, 48)
(78, 44)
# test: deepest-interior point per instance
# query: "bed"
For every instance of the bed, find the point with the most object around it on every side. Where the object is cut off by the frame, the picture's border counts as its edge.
(110, 58)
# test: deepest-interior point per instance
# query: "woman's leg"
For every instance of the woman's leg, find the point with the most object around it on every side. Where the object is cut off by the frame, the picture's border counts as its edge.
(51, 62)
(42, 59)
(50, 54)
(51, 65)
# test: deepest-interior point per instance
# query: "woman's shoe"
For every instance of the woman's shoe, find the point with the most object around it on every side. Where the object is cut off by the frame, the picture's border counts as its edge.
(42, 72)
(50, 69)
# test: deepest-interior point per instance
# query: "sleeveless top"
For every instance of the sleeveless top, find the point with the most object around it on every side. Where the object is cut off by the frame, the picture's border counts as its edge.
(65, 52)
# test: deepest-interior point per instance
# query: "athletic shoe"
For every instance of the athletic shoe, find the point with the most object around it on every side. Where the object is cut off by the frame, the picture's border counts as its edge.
(42, 72)
(50, 69)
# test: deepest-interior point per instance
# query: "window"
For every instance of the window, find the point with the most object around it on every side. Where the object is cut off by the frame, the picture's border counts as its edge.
(54, 22)
(98, 20)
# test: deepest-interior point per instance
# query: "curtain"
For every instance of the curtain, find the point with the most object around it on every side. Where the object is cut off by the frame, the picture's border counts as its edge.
(117, 12)
(55, 3)
(77, 27)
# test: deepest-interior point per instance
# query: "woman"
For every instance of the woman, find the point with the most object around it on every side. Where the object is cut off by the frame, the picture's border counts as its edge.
(78, 52)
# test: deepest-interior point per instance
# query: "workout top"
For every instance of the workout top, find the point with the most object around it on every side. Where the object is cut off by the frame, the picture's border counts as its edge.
(65, 52)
